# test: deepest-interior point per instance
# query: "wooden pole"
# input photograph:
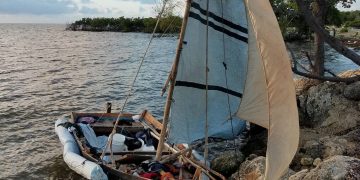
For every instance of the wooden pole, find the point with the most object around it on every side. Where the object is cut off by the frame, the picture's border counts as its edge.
(172, 85)
(108, 107)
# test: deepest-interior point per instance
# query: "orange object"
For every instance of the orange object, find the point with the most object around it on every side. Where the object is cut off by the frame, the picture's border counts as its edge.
(166, 176)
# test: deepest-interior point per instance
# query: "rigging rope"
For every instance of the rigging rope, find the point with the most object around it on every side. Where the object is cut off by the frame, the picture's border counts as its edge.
(109, 142)
(226, 78)
(206, 151)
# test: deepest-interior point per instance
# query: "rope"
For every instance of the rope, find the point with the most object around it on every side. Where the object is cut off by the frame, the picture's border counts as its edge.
(206, 151)
(226, 82)
(226, 79)
(109, 142)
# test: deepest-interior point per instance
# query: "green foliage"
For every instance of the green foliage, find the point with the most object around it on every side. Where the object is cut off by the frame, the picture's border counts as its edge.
(344, 30)
(351, 18)
(355, 23)
(169, 24)
(292, 23)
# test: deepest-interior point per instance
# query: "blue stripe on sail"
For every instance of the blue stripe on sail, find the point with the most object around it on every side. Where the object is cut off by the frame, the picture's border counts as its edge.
(210, 87)
(218, 28)
(220, 19)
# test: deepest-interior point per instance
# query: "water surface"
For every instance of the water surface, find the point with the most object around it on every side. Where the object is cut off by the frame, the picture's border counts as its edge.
(46, 72)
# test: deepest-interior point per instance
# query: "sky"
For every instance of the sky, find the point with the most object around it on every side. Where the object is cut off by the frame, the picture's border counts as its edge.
(67, 11)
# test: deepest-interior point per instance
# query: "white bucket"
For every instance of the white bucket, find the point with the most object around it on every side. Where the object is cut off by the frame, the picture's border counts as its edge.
(118, 144)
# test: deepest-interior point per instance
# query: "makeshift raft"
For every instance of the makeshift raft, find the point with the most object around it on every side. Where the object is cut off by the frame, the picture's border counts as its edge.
(82, 155)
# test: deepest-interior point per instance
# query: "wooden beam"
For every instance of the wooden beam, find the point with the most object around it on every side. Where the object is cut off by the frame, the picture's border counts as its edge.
(172, 85)
(149, 118)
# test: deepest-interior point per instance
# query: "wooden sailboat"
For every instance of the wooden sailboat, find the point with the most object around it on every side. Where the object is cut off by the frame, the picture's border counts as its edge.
(231, 65)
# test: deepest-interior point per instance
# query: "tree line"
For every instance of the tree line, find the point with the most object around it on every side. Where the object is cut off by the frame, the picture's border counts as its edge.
(169, 24)
(291, 21)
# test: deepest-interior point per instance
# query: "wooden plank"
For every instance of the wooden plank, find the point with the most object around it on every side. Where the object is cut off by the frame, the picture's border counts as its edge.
(136, 153)
(197, 174)
(76, 115)
(150, 119)
(107, 130)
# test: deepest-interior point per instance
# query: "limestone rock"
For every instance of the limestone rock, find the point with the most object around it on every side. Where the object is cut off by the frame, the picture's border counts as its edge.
(327, 109)
(313, 149)
(326, 147)
(317, 161)
(336, 167)
(320, 100)
(303, 84)
(352, 91)
(334, 146)
(306, 161)
(353, 145)
(228, 162)
(254, 169)
(299, 175)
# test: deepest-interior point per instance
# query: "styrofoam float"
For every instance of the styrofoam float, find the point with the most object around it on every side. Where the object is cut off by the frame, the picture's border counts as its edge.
(72, 157)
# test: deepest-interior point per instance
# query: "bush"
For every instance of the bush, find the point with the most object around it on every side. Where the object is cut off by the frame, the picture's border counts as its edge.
(344, 30)
(355, 23)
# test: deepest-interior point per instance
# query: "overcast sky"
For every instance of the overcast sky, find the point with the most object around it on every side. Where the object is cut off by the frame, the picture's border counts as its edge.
(66, 11)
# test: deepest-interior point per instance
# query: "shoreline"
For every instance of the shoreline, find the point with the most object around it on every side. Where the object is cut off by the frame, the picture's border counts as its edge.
(350, 39)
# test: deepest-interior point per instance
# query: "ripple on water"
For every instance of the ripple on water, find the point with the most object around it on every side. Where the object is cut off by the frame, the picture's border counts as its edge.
(46, 72)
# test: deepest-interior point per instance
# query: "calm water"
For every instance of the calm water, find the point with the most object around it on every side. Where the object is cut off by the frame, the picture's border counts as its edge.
(46, 72)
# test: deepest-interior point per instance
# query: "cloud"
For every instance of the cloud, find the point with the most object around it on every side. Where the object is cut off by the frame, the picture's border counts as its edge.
(85, 1)
(143, 1)
(65, 11)
(87, 10)
(37, 7)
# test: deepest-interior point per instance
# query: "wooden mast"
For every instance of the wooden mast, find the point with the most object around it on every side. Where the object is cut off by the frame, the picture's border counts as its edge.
(172, 83)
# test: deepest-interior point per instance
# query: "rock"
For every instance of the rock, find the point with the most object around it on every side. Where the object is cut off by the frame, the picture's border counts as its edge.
(349, 73)
(325, 147)
(313, 149)
(336, 167)
(334, 146)
(257, 142)
(306, 161)
(228, 162)
(317, 161)
(352, 91)
(327, 110)
(353, 143)
(251, 157)
(251, 169)
(299, 175)
(217, 146)
(255, 169)
(303, 84)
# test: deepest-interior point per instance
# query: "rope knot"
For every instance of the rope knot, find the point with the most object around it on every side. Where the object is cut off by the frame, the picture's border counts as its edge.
(225, 65)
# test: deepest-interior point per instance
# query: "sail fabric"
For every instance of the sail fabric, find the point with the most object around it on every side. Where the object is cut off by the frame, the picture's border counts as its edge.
(269, 97)
(227, 53)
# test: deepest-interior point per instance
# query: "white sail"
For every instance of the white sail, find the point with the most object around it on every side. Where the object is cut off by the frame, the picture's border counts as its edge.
(269, 96)
(227, 53)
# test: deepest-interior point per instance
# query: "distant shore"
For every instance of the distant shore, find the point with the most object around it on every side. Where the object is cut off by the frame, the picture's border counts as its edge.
(167, 25)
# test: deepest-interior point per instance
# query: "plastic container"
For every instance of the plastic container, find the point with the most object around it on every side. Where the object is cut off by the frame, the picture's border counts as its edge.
(118, 143)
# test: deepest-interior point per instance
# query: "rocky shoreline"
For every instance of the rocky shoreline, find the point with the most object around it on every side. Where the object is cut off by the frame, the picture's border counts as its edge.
(329, 145)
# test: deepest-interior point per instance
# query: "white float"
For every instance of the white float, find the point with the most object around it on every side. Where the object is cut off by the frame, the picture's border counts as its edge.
(72, 157)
